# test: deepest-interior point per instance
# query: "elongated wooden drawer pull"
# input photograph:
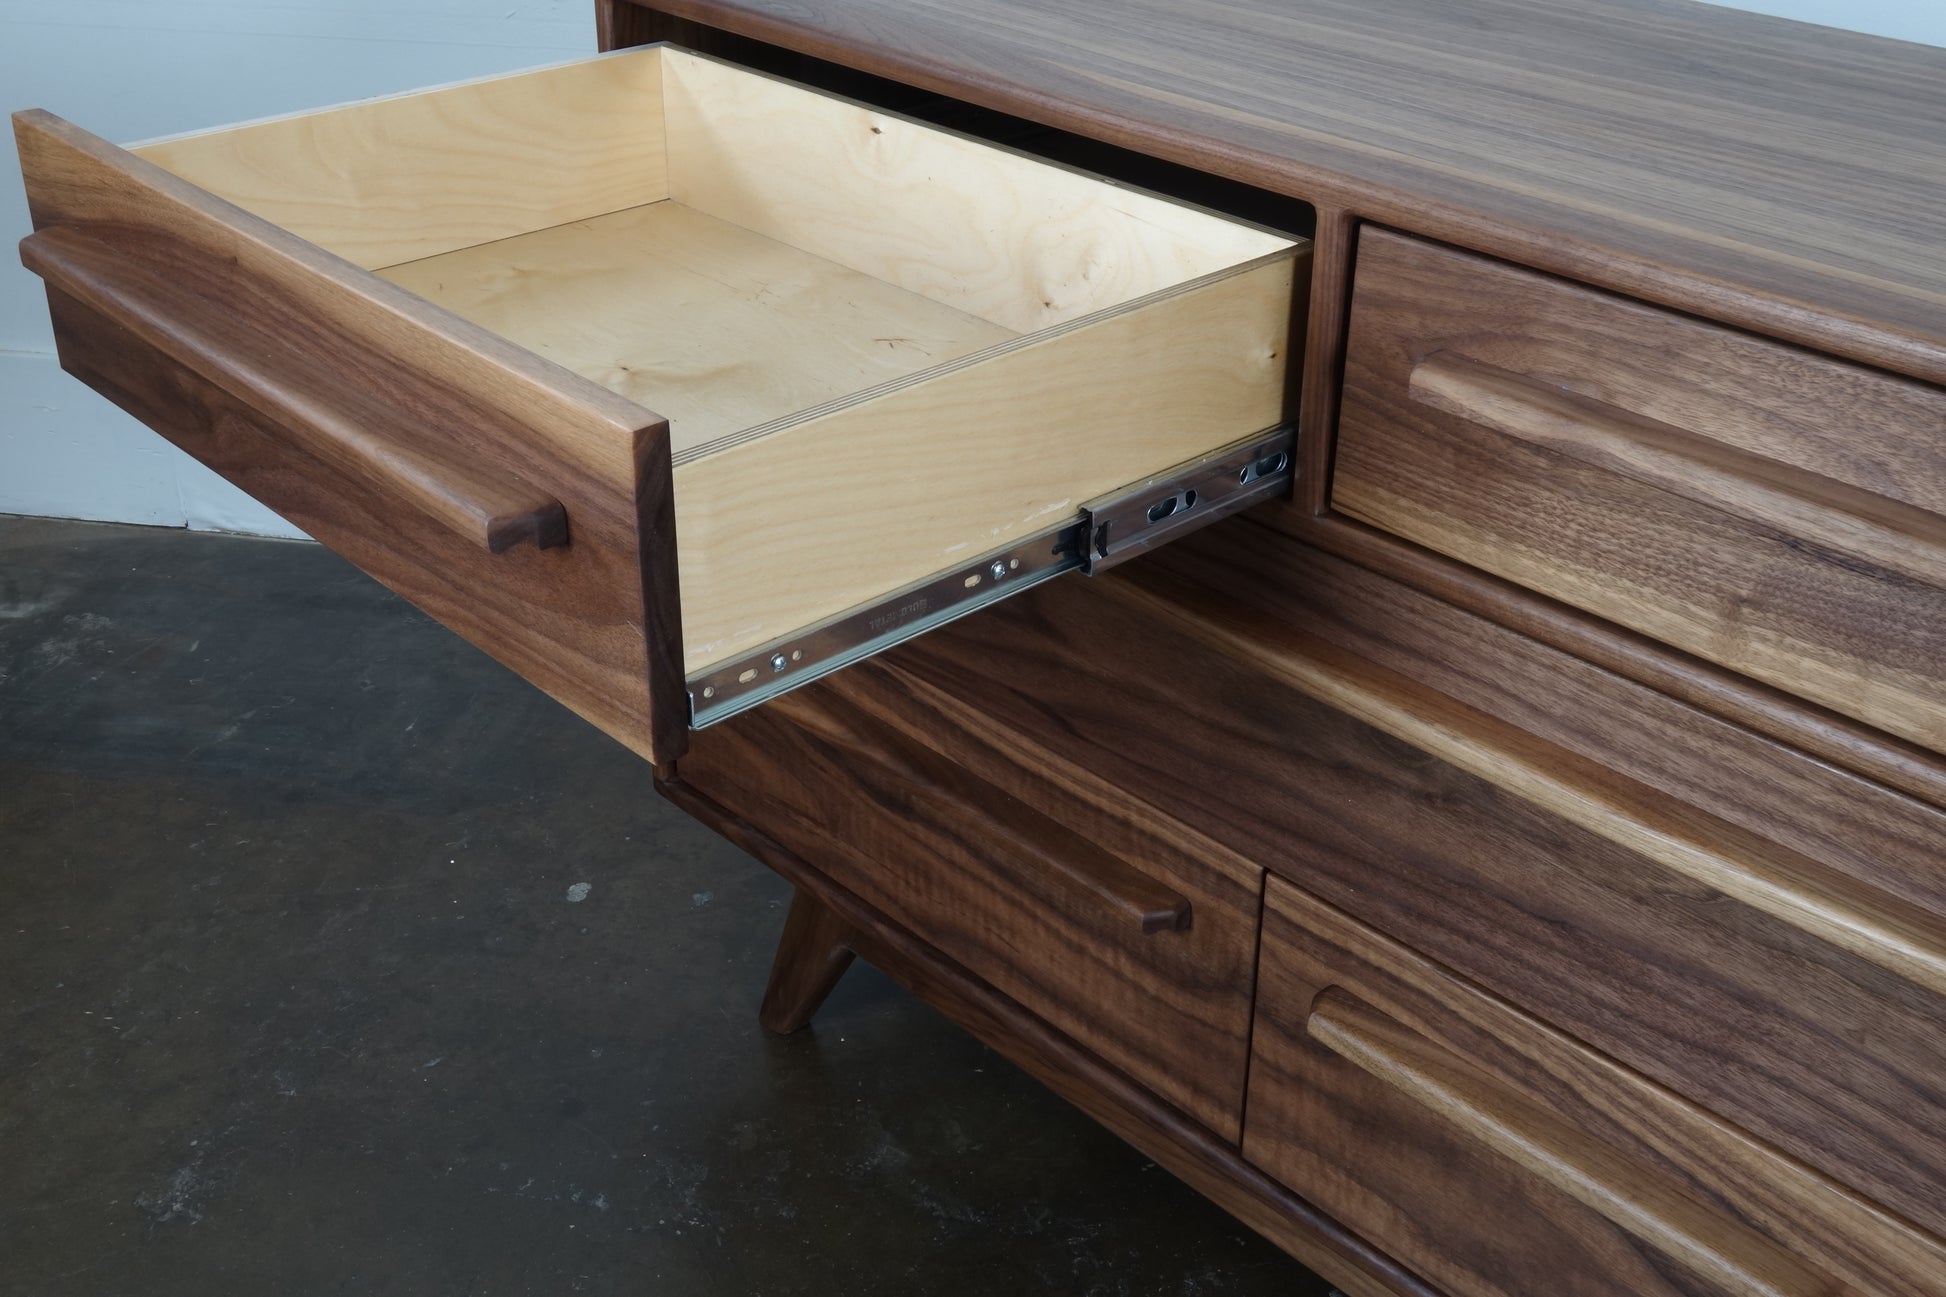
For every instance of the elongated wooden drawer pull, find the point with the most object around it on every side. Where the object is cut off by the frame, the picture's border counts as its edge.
(353, 432)
(1103, 880)
(1888, 533)
(1151, 906)
(1715, 1247)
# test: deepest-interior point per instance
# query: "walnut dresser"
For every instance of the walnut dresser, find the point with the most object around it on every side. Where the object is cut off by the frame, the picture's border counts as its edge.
(1488, 830)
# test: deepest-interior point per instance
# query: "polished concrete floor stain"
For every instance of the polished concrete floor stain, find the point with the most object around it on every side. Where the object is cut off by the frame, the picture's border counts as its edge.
(336, 959)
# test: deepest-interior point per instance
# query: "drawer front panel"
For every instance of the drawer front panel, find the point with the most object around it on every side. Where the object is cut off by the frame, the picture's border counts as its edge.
(1556, 857)
(1651, 932)
(1108, 924)
(1763, 507)
(1500, 1157)
(508, 499)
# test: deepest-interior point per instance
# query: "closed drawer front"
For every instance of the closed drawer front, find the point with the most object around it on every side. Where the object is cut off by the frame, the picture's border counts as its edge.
(1748, 966)
(515, 345)
(1134, 938)
(1748, 927)
(1500, 1157)
(1766, 508)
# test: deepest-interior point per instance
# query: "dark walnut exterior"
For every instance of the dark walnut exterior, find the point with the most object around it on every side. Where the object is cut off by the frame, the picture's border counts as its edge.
(1581, 713)
(1511, 866)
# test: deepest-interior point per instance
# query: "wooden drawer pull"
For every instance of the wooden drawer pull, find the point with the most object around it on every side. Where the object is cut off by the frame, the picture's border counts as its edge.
(1097, 880)
(184, 313)
(1151, 906)
(1718, 1249)
(1889, 533)
(1087, 880)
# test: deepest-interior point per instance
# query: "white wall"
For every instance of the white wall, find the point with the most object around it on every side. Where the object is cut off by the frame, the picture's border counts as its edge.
(1905, 20)
(131, 69)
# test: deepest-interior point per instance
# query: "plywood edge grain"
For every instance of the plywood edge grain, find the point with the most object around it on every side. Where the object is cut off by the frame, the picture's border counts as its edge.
(74, 177)
(1281, 343)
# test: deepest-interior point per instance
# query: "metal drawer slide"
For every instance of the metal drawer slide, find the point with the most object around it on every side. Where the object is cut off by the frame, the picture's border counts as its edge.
(1107, 531)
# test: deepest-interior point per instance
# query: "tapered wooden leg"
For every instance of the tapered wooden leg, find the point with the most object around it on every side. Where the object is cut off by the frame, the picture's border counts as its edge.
(812, 955)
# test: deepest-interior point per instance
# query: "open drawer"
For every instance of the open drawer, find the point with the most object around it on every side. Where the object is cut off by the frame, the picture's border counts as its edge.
(670, 384)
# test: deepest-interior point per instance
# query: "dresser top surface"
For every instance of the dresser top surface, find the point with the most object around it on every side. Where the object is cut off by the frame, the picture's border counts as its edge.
(1785, 176)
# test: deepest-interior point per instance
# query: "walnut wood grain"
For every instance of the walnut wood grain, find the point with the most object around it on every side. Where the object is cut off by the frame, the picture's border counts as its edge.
(268, 340)
(1698, 1205)
(1876, 834)
(813, 953)
(1474, 1225)
(1126, 1107)
(355, 434)
(1788, 526)
(1761, 708)
(1082, 912)
(1722, 1252)
(1739, 1010)
(1829, 734)
(1771, 174)
(619, 25)
(1781, 497)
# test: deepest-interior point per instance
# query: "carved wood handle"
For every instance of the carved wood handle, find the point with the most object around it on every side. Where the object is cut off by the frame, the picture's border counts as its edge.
(1714, 1246)
(1888, 533)
(1068, 869)
(394, 450)
(1106, 880)
(1151, 906)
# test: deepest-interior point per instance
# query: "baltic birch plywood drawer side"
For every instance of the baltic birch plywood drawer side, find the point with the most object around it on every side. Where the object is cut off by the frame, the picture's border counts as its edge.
(627, 367)
(1763, 507)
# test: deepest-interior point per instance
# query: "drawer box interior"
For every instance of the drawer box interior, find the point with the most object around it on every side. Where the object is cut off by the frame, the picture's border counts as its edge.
(881, 348)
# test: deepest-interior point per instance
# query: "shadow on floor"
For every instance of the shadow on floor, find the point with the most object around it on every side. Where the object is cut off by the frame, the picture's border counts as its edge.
(295, 996)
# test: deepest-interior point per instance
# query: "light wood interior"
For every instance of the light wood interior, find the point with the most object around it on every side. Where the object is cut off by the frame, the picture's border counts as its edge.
(1016, 241)
(883, 349)
(1013, 240)
(714, 327)
(415, 175)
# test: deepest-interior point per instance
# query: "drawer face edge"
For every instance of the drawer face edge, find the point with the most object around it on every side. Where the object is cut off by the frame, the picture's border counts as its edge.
(1771, 510)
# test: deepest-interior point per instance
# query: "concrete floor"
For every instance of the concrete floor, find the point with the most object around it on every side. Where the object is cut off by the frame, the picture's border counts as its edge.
(296, 996)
